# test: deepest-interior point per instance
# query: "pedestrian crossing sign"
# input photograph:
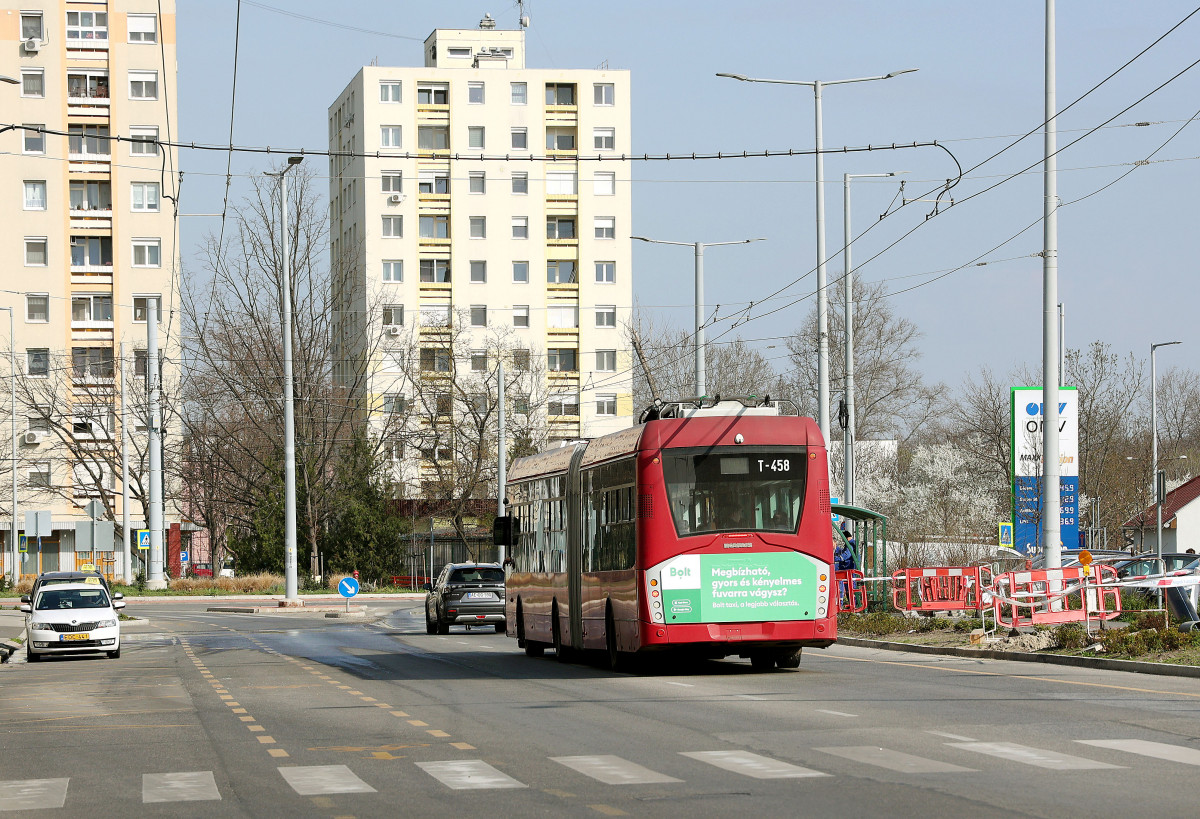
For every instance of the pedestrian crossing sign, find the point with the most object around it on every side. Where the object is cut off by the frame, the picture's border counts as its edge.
(22, 543)
(143, 538)
(1006, 534)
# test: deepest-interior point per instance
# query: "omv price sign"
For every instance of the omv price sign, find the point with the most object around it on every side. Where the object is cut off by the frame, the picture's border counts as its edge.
(348, 587)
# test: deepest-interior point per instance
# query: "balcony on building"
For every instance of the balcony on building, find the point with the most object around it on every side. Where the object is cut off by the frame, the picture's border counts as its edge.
(91, 205)
(89, 148)
(87, 94)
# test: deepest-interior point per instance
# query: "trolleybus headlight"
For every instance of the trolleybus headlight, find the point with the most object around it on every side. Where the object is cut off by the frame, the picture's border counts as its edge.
(820, 612)
(658, 616)
(657, 604)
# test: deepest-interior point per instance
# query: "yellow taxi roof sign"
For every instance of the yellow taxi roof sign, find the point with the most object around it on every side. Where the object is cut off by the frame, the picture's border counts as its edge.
(87, 567)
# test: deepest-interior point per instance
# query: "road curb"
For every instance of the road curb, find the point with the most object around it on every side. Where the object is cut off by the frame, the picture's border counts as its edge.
(334, 611)
(10, 647)
(1103, 663)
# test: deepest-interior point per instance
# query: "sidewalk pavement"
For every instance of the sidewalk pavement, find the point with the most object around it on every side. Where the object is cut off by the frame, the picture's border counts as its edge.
(12, 626)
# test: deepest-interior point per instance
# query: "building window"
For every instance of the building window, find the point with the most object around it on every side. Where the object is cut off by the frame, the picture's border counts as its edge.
(434, 227)
(389, 91)
(433, 138)
(606, 361)
(139, 366)
(604, 139)
(560, 139)
(521, 360)
(479, 361)
(147, 253)
(479, 315)
(435, 360)
(393, 270)
(393, 315)
(520, 139)
(90, 196)
(562, 317)
(392, 182)
(560, 227)
(520, 315)
(520, 93)
(89, 363)
(35, 252)
(478, 272)
(433, 94)
(91, 251)
(606, 272)
(561, 360)
(560, 93)
(31, 26)
(435, 270)
(143, 85)
(606, 315)
(35, 195)
(563, 404)
(475, 93)
(37, 362)
(561, 272)
(520, 273)
(143, 28)
(35, 140)
(605, 227)
(143, 140)
(86, 141)
(144, 197)
(606, 403)
(37, 308)
(605, 183)
(87, 85)
(393, 227)
(458, 52)
(602, 93)
(520, 227)
(520, 183)
(86, 27)
(394, 403)
(389, 136)
(475, 136)
(33, 82)
(437, 315)
(476, 182)
(141, 305)
(478, 227)
(433, 182)
(562, 183)
(38, 474)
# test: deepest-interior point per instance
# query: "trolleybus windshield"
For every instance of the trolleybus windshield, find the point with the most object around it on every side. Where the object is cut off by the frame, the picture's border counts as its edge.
(735, 489)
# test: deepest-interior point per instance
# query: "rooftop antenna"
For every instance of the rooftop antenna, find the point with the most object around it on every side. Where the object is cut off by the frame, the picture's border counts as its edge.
(523, 18)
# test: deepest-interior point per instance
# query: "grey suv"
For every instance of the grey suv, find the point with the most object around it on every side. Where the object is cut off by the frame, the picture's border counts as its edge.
(465, 594)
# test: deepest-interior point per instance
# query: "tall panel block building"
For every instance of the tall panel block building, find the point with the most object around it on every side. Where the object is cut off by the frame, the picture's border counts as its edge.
(88, 242)
(481, 209)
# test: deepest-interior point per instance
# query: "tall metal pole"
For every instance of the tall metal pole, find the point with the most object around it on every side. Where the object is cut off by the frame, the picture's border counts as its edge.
(501, 449)
(12, 377)
(1051, 490)
(126, 551)
(822, 296)
(1062, 344)
(1158, 497)
(701, 387)
(154, 579)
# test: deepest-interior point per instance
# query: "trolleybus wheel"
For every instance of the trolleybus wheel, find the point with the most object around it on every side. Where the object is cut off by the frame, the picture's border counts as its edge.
(616, 660)
(560, 650)
(788, 659)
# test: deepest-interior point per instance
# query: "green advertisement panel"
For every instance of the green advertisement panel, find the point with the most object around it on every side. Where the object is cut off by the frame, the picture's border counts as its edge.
(739, 588)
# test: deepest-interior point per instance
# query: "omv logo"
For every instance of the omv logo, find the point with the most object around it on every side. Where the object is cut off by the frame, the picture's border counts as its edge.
(1034, 408)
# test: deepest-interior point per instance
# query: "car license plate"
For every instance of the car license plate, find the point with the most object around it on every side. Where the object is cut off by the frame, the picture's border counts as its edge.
(480, 596)
(67, 638)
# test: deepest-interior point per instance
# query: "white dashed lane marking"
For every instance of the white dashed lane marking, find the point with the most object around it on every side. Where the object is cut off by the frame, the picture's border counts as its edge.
(1158, 750)
(752, 765)
(893, 760)
(318, 780)
(1036, 757)
(29, 794)
(612, 770)
(187, 786)
(468, 774)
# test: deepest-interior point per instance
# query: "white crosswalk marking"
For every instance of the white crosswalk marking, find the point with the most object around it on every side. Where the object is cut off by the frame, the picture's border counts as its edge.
(29, 794)
(468, 774)
(1032, 756)
(1158, 750)
(318, 780)
(187, 786)
(612, 770)
(893, 760)
(753, 765)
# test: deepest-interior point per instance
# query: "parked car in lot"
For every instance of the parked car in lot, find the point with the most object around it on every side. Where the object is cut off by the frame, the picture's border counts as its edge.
(72, 618)
(1148, 564)
(1070, 557)
(465, 594)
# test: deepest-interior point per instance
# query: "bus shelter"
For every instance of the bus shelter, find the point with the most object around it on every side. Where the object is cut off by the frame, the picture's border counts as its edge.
(868, 531)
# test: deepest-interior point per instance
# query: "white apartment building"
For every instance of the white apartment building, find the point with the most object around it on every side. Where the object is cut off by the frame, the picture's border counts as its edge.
(88, 240)
(481, 193)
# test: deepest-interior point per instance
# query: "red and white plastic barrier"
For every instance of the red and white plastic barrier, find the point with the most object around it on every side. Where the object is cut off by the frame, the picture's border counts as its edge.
(851, 593)
(1049, 596)
(940, 588)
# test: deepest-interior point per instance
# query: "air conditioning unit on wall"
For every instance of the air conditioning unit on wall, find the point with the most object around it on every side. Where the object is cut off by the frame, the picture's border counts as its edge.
(392, 330)
(34, 437)
(32, 46)
(396, 198)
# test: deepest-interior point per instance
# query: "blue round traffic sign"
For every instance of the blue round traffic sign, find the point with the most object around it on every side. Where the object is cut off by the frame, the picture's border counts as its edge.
(348, 587)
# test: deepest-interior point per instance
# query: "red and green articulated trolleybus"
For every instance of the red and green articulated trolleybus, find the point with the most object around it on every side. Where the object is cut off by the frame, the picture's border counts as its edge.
(705, 529)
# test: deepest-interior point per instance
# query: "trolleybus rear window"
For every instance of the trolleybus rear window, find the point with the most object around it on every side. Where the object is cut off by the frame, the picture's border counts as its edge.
(735, 489)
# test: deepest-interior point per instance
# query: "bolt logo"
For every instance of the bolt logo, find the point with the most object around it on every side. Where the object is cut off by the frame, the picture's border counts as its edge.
(1034, 408)
(680, 572)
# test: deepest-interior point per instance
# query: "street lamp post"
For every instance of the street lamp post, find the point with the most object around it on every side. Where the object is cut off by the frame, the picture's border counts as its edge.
(289, 418)
(822, 296)
(699, 334)
(848, 288)
(1154, 445)
(12, 376)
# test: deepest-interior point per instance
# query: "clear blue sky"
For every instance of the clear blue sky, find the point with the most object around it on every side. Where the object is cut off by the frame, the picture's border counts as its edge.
(1127, 255)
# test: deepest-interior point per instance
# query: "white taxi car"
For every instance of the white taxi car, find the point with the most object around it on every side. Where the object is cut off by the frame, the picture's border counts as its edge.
(72, 618)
